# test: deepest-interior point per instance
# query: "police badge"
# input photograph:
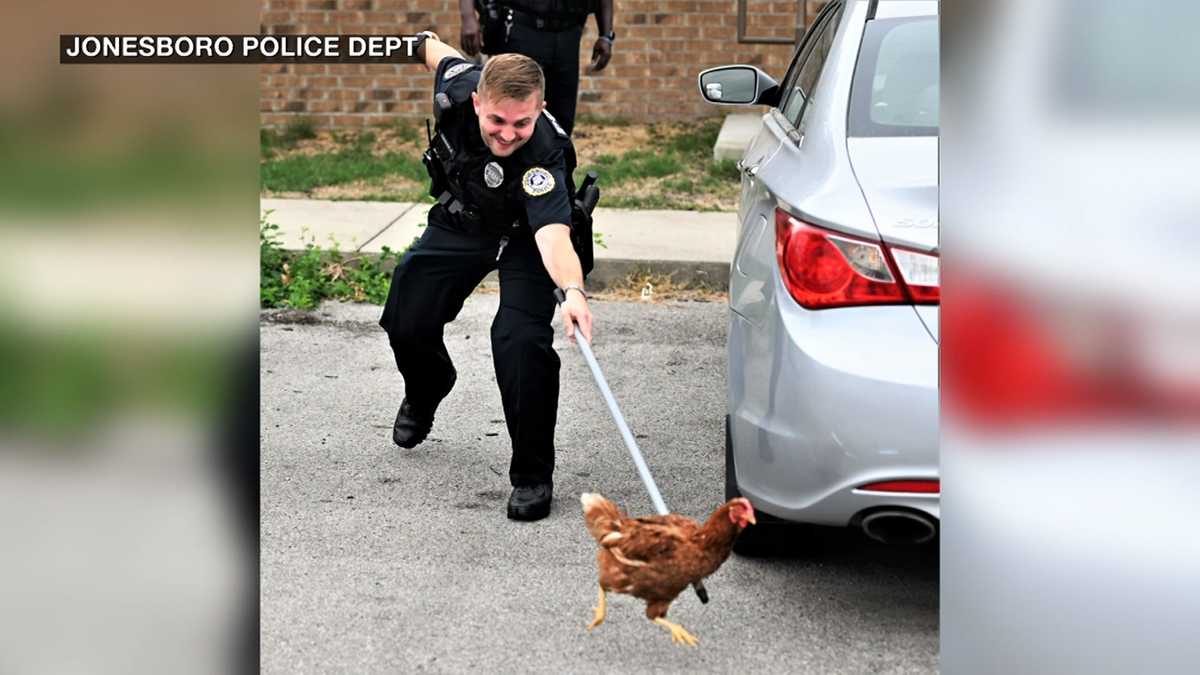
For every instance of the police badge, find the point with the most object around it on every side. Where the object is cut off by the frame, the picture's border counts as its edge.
(537, 182)
(493, 174)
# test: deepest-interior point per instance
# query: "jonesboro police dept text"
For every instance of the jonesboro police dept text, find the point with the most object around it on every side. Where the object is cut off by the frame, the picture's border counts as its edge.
(200, 46)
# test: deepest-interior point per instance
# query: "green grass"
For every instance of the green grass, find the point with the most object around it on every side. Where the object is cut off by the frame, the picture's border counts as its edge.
(676, 165)
(301, 174)
(589, 119)
(669, 154)
(724, 170)
(297, 130)
(696, 143)
(633, 165)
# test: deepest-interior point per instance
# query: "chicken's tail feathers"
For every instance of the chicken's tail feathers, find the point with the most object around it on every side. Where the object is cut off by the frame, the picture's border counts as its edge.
(600, 514)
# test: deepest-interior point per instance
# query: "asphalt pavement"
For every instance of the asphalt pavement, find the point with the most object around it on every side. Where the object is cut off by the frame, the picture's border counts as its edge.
(377, 559)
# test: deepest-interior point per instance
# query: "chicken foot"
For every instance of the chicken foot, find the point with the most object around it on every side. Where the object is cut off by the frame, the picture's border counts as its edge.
(600, 610)
(678, 634)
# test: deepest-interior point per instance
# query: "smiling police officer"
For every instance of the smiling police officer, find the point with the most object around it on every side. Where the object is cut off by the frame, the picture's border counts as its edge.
(501, 173)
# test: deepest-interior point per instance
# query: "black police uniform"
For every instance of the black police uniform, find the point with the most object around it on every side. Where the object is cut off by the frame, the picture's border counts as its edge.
(547, 31)
(485, 220)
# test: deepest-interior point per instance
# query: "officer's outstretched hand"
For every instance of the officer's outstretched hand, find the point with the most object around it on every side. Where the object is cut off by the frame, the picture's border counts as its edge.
(575, 311)
(601, 53)
(471, 40)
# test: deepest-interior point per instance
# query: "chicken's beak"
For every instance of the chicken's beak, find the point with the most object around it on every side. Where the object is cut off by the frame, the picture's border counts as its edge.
(750, 518)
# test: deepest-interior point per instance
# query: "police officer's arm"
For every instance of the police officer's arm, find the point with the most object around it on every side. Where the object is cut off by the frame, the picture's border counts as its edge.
(554, 243)
(602, 50)
(471, 40)
(434, 50)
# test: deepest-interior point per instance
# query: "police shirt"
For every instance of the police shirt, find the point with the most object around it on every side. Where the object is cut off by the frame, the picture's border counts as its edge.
(528, 188)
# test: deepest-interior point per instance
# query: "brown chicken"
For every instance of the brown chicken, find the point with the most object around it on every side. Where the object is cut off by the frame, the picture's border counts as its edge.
(655, 557)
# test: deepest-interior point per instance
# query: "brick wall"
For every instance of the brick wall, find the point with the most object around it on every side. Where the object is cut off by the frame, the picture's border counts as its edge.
(661, 47)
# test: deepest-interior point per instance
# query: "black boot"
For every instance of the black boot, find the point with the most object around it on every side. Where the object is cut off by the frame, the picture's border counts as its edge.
(413, 423)
(530, 502)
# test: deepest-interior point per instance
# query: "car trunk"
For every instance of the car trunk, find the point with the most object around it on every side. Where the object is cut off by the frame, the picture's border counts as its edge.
(899, 179)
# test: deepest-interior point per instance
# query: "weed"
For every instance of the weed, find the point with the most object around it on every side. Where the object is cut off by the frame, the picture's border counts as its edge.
(299, 129)
(302, 279)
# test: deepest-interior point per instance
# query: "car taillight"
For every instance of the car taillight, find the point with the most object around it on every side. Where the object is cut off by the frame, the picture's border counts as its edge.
(918, 486)
(823, 269)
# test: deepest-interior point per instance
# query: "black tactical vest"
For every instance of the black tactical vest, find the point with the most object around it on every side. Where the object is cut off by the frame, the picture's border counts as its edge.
(464, 160)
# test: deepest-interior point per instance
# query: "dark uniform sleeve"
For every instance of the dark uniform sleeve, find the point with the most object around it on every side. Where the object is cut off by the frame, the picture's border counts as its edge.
(545, 188)
(457, 78)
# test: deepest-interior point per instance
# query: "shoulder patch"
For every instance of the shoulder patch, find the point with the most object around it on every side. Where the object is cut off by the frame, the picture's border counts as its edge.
(557, 126)
(537, 182)
(454, 71)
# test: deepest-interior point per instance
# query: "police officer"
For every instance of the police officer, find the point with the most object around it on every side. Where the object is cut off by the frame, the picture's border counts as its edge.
(549, 32)
(502, 175)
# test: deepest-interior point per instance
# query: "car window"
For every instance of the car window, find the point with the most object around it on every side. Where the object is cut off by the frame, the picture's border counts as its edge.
(896, 80)
(806, 79)
(790, 78)
(806, 45)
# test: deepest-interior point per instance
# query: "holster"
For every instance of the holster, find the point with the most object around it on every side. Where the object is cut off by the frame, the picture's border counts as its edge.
(437, 158)
(586, 198)
(491, 26)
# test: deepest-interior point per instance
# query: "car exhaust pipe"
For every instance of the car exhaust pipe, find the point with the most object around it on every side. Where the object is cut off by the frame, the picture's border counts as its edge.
(899, 527)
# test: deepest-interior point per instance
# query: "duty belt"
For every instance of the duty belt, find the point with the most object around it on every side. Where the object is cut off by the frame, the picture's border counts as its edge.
(552, 24)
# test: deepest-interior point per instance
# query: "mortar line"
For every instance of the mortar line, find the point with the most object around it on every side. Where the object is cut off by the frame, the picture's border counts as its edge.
(385, 227)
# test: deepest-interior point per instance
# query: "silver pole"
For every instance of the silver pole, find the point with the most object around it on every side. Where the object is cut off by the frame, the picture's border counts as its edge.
(643, 470)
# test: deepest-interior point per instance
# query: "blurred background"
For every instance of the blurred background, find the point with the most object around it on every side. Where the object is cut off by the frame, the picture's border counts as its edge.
(1071, 320)
(129, 387)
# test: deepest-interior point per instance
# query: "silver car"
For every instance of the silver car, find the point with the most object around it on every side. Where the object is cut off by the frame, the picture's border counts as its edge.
(834, 291)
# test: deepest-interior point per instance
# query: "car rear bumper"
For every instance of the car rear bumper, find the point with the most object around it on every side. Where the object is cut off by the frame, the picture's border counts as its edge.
(823, 402)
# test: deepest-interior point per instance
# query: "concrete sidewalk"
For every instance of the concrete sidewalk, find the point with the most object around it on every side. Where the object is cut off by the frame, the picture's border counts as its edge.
(692, 247)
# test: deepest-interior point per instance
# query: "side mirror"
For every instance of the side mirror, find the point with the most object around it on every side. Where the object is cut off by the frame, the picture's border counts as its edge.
(738, 85)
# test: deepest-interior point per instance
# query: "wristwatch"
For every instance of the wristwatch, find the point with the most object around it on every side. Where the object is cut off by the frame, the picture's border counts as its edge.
(560, 294)
(610, 36)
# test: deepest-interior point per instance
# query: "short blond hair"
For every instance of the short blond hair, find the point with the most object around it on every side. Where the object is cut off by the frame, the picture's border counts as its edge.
(511, 76)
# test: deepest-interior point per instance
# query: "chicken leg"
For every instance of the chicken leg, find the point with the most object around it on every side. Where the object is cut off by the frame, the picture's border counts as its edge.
(678, 634)
(600, 610)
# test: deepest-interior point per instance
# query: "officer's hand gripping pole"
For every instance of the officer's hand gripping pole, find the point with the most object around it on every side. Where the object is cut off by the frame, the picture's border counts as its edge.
(638, 460)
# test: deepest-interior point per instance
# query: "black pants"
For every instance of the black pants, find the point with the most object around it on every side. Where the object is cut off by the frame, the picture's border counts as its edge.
(428, 288)
(558, 55)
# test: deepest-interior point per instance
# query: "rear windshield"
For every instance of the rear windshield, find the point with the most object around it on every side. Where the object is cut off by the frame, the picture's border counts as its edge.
(895, 89)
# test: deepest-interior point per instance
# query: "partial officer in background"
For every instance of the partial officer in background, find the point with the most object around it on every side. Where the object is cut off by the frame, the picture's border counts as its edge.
(547, 31)
(501, 172)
